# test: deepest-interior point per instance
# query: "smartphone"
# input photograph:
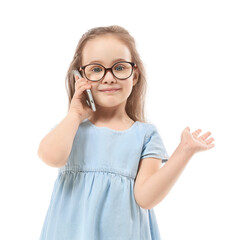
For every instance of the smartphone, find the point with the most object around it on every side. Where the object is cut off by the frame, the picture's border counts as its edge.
(88, 94)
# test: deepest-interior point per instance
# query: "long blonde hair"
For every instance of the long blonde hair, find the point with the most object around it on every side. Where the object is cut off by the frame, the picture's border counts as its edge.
(135, 105)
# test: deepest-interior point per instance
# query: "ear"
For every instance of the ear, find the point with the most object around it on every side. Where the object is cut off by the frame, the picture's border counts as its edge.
(135, 77)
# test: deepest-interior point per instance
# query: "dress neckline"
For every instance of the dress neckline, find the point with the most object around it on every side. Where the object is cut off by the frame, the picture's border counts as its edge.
(110, 129)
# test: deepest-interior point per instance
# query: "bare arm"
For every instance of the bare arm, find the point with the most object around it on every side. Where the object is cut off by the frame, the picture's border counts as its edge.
(55, 147)
(157, 186)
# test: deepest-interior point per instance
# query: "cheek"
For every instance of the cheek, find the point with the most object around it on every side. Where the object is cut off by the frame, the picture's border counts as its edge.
(93, 88)
(129, 86)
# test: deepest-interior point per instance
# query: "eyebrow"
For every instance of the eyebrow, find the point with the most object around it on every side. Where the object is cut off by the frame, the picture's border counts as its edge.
(118, 59)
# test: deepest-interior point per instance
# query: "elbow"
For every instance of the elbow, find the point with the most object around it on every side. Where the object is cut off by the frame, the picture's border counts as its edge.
(147, 207)
(48, 160)
(139, 202)
(143, 206)
(142, 203)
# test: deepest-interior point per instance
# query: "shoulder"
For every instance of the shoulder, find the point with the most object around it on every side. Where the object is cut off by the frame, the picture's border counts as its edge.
(149, 128)
(146, 125)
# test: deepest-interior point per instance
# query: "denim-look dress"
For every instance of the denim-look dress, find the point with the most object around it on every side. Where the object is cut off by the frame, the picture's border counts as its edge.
(93, 195)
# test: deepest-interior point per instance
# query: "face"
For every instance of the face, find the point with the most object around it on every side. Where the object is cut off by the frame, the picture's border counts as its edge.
(106, 50)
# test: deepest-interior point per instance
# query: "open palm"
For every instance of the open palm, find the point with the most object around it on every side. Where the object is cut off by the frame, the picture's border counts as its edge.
(196, 143)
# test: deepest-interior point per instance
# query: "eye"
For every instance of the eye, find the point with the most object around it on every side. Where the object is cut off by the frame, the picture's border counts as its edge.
(119, 67)
(96, 69)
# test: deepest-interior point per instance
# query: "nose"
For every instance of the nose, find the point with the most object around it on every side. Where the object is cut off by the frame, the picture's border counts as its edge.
(109, 77)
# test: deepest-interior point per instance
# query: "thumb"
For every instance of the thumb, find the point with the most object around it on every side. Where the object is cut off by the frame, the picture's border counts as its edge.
(187, 128)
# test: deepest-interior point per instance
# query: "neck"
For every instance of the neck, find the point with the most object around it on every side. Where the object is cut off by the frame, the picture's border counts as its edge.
(109, 114)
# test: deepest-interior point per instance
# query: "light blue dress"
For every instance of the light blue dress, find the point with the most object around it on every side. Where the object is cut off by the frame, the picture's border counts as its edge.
(93, 195)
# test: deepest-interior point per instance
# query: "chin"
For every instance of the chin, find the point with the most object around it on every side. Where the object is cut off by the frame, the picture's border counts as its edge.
(108, 104)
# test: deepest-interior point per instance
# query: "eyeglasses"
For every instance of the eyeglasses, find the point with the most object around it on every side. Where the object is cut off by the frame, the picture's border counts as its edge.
(121, 70)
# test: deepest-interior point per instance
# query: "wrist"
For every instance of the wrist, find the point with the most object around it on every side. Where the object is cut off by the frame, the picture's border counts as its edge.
(188, 150)
(75, 117)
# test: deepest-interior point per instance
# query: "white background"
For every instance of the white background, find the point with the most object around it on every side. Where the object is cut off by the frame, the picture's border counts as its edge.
(191, 51)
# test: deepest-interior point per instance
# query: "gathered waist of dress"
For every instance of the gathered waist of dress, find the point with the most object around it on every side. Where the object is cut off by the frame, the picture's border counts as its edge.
(95, 169)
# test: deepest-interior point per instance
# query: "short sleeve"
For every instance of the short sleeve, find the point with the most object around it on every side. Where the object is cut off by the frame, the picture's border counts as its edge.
(153, 145)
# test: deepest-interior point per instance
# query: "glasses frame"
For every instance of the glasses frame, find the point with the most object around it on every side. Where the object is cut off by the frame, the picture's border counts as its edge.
(108, 69)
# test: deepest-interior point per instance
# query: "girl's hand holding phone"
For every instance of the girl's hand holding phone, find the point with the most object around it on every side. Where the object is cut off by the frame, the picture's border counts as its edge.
(78, 103)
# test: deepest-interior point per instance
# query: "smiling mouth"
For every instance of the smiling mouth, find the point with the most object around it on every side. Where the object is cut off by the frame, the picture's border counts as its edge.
(111, 91)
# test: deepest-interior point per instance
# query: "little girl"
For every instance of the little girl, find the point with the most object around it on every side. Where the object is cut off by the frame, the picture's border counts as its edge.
(109, 176)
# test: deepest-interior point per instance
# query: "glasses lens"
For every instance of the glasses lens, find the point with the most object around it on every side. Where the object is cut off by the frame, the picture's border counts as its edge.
(122, 70)
(94, 72)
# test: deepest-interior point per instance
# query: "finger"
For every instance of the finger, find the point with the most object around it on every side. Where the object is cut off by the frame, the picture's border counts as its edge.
(205, 136)
(83, 87)
(197, 132)
(209, 140)
(79, 84)
(210, 146)
(76, 78)
(79, 92)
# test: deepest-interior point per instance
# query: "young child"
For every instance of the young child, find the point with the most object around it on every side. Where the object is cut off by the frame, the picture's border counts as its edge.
(109, 176)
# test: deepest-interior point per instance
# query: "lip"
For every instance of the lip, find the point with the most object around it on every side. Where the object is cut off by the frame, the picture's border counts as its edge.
(110, 90)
